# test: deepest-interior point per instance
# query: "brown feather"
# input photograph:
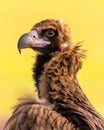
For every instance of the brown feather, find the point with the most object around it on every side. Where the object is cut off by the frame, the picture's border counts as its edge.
(28, 115)
(65, 92)
(62, 104)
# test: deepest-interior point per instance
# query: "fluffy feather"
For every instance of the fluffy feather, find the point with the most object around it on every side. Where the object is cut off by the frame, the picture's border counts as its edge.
(28, 115)
(55, 73)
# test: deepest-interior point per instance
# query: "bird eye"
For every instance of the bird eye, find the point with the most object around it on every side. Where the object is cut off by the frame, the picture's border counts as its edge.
(50, 33)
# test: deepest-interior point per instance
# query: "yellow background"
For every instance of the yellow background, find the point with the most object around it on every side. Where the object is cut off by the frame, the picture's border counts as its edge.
(86, 21)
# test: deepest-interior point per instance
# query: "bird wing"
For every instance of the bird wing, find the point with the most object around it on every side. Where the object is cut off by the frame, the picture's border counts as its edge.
(28, 115)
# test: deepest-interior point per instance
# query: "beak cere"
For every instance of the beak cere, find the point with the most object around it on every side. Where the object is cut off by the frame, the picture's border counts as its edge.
(31, 39)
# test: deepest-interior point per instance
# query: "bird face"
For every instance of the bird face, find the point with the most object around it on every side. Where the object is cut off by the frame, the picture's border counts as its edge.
(46, 36)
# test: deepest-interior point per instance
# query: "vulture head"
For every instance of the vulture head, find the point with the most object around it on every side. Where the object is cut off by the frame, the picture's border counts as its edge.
(46, 36)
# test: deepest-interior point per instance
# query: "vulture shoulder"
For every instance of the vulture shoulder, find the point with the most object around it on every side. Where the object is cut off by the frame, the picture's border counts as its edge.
(29, 115)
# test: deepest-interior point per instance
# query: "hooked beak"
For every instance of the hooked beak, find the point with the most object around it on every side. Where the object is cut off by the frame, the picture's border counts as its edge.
(31, 40)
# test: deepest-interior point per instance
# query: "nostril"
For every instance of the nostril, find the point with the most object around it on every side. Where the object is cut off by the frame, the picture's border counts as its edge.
(34, 36)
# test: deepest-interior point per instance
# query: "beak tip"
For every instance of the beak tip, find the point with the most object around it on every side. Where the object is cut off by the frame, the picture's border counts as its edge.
(23, 42)
(19, 51)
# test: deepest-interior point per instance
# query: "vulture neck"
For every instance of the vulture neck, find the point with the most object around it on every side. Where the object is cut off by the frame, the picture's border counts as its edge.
(43, 58)
(59, 71)
(38, 68)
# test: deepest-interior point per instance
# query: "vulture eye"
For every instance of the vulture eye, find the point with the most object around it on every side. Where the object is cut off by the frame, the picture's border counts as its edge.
(50, 33)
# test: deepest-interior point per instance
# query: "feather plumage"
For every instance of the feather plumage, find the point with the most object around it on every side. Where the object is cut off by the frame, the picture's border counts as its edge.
(55, 73)
(28, 115)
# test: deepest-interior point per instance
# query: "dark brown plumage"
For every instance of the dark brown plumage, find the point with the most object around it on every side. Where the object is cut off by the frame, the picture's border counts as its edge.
(29, 115)
(57, 64)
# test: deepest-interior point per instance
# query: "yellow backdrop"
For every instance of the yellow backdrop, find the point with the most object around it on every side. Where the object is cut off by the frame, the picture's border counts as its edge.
(86, 21)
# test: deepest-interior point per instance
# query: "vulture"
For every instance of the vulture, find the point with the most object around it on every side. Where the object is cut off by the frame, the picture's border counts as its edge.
(61, 103)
